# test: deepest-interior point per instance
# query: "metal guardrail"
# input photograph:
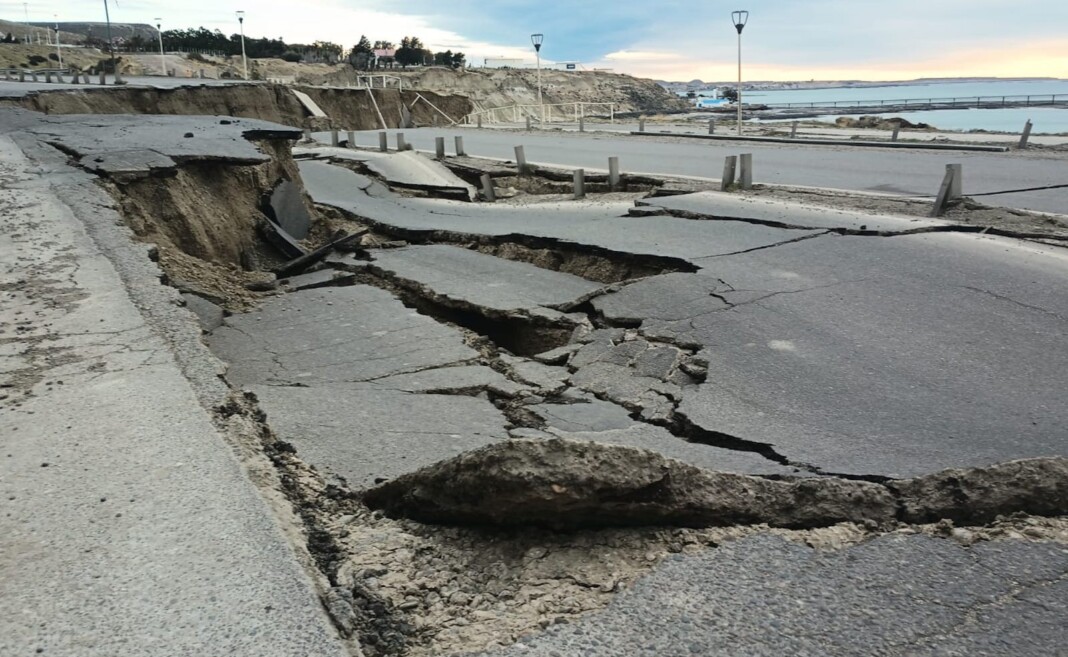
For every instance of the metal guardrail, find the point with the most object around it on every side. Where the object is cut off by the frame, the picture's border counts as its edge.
(543, 113)
(969, 102)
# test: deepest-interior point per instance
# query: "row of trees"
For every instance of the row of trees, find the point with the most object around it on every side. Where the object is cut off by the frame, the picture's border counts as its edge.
(412, 52)
(201, 40)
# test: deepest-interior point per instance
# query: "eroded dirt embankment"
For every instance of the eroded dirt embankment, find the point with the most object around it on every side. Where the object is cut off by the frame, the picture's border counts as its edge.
(348, 109)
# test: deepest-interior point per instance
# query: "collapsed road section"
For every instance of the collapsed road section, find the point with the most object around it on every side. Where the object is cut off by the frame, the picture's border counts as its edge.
(494, 424)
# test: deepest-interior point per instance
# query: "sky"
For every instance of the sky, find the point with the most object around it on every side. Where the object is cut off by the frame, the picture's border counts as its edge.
(677, 40)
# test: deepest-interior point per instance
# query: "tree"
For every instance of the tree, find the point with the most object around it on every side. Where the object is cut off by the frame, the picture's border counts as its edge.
(729, 93)
(459, 60)
(384, 45)
(412, 52)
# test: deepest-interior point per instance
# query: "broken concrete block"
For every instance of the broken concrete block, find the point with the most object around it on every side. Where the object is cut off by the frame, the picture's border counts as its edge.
(208, 314)
(287, 209)
(979, 495)
(566, 484)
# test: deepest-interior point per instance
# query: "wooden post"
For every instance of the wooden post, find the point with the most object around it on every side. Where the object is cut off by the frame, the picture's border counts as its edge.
(641, 125)
(383, 142)
(582, 124)
(956, 186)
(580, 184)
(528, 122)
(103, 76)
(793, 130)
(479, 120)
(711, 126)
(1026, 134)
(897, 131)
(613, 173)
(335, 138)
(745, 176)
(730, 165)
(439, 148)
(352, 139)
(460, 146)
(401, 146)
(487, 188)
(520, 160)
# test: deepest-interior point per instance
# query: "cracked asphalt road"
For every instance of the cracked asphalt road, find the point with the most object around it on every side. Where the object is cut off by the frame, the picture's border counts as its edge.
(910, 173)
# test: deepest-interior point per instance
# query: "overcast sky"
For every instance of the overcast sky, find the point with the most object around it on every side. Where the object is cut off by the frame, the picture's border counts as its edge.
(664, 39)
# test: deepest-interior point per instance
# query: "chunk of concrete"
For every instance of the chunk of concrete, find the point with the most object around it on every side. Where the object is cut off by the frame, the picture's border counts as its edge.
(565, 484)
(586, 413)
(321, 278)
(209, 315)
(128, 164)
(460, 379)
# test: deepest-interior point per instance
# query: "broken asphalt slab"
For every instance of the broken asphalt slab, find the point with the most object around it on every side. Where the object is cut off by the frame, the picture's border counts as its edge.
(407, 170)
(780, 213)
(355, 333)
(367, 435)
(894, 595)
(123, 142)
(599, 225)
(491, 284)
(872, 356)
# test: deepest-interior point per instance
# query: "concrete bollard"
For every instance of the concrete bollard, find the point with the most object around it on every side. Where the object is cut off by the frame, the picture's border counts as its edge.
(335, 138)
(103, 77)
(439, 148)
(401, 145)
(528, 123)
(793, 130)
(897, 131)
(580, 184)
(352, 139)
(711, 126)
(34, 77)
(956, 185)
(479, 120)
(613, 173)
(582, 124)
(951, 184)
(745, 175)
(48, 77)
(1026, 134)
(383, 142)
(730, 165)
(22, 76)
(460, 152)
(487, 188)
(641, 125)
(520, 160)
(307, 134)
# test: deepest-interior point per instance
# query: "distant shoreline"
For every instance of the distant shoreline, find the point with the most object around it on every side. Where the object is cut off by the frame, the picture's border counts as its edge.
(849, 84)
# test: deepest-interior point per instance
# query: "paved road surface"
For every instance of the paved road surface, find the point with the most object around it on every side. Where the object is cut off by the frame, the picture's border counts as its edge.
(911, 173)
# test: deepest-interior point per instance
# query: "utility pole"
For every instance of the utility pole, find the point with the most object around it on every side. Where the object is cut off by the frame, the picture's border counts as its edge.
(162, 56)
(740, 19)
(244, 59)
(537, 40)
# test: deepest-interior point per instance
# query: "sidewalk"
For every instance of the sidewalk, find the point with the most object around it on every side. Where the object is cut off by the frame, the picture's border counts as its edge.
(129, 527)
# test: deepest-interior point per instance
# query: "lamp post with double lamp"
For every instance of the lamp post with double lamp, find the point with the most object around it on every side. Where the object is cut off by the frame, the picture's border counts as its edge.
(244, 59)
(537, 40)
(740, 19)
(162, 56)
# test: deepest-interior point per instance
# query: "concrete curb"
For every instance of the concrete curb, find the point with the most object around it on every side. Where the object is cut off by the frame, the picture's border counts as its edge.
(835, 142)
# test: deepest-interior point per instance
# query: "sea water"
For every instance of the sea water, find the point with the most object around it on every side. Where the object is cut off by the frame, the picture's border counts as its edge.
(1045, 119)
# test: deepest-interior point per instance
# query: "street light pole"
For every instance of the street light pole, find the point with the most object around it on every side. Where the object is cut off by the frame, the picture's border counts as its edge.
(244, 59)
(162, 56)
(740, 19)
(537, 40)
(111, 43)
(59, 53)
